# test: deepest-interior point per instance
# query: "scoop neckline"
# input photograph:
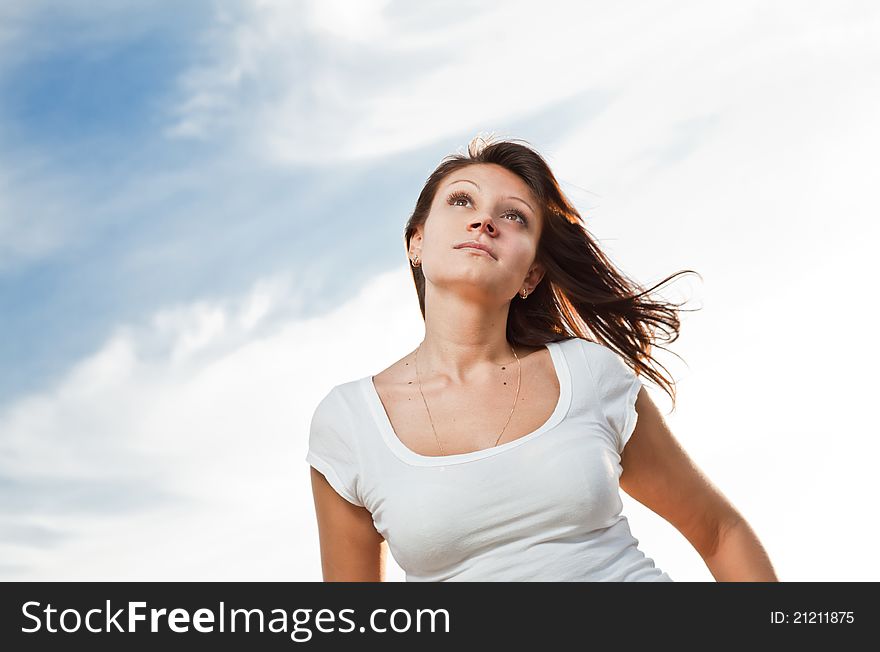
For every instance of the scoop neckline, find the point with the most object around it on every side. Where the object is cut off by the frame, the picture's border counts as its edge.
(402, 451)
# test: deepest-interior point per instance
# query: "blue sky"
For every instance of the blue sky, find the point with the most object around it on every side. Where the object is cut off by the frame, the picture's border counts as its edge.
(195, 199)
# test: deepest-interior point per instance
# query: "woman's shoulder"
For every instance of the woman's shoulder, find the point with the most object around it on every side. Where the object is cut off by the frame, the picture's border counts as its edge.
(588, 346)
(342, 399)
(601, 360)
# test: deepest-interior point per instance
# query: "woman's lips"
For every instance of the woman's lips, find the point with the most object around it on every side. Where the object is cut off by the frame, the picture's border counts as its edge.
(476, 250)
(470, 246)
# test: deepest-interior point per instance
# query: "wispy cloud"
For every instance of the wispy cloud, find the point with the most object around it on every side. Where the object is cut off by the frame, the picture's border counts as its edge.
(178, 445)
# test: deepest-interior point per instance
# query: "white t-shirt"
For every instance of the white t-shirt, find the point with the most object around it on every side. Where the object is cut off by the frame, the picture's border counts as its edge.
(543, 507)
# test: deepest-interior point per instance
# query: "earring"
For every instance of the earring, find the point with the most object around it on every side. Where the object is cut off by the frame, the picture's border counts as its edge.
(524, 293)
(415, 261)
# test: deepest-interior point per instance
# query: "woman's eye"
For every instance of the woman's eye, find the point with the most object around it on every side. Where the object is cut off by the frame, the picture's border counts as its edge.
(456, 197)
(464, 197)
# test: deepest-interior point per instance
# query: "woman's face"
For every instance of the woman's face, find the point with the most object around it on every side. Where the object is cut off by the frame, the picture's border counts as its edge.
(488, 204)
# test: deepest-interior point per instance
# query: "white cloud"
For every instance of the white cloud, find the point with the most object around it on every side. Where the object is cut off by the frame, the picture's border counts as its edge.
(204, 445)
(360, 22)
(315, 83)
(307, 89)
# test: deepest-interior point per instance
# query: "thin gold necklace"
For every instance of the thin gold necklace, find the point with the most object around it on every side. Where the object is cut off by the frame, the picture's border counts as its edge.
(515, 398)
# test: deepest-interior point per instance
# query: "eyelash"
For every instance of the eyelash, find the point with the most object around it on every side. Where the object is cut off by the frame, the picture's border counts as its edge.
(461, 194)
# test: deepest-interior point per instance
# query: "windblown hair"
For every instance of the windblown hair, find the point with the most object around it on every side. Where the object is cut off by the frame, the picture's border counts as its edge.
(582, 294)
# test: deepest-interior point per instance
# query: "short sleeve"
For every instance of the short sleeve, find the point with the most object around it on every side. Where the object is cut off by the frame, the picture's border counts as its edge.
(331, 447)
(617, 387)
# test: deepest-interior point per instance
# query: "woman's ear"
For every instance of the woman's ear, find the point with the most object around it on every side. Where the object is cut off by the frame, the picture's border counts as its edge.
(536, 273)
(415, 244)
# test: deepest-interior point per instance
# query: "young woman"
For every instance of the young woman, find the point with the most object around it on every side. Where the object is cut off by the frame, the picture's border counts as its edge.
(496, 449)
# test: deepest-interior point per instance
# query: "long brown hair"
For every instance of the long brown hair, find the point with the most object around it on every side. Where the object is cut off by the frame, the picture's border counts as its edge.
(582, 293)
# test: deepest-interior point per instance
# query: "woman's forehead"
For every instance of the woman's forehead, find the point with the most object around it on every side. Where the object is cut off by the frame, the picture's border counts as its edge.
(489, 175)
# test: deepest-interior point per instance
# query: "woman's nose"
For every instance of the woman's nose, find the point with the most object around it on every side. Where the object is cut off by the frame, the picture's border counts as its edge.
(487, 222)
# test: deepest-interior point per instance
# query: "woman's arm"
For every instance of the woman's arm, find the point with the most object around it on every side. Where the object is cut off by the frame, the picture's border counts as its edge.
(351, 548)
(659, 474)
(740, 557)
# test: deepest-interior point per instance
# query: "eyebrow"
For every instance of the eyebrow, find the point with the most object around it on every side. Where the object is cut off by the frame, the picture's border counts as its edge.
(478, 188)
